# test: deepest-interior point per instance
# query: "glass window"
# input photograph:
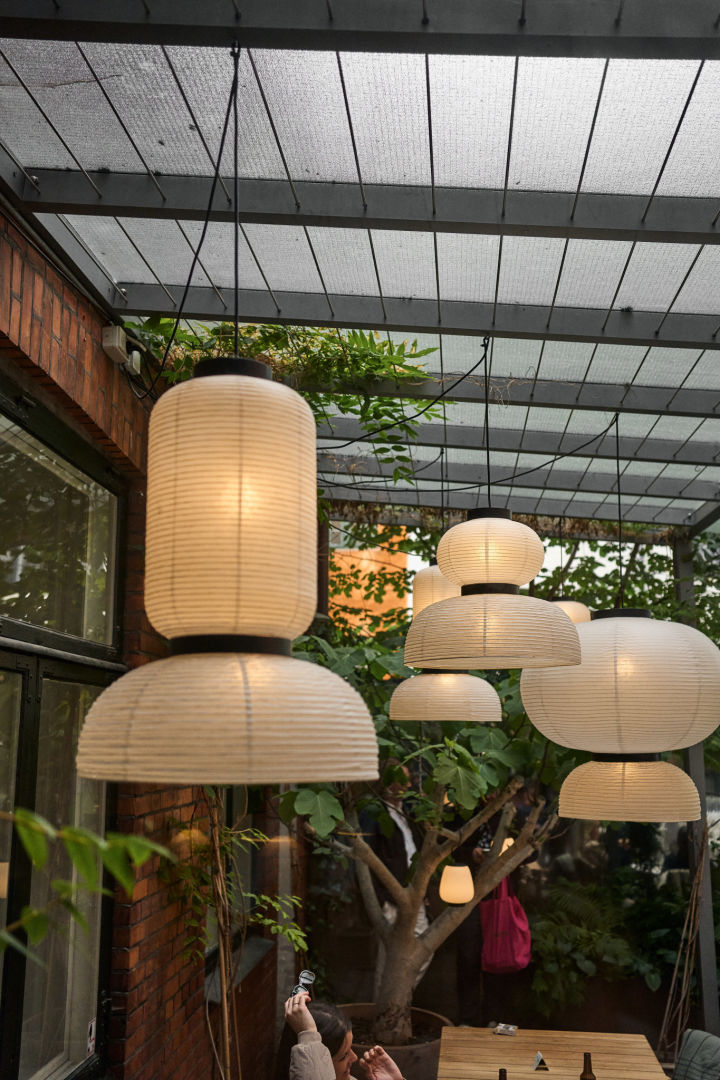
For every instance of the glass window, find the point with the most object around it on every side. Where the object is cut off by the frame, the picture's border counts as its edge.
(60, 998)
(57, 540)
(10, 704)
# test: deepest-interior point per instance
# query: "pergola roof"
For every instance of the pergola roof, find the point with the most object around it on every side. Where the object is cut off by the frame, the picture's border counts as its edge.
(544, 173)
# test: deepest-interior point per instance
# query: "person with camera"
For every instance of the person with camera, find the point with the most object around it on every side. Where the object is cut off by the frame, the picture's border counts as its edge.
(324, 1044)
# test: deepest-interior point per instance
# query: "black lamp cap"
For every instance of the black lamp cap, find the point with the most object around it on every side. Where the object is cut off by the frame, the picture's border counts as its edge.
(489, 511)
(626, 758)
(232, 365)
(433, 561)
(620, 612)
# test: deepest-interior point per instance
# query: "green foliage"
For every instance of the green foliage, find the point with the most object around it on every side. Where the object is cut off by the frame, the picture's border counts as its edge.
(117, 852)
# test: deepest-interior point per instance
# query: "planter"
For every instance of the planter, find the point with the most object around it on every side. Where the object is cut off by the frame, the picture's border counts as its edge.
(417, 1061)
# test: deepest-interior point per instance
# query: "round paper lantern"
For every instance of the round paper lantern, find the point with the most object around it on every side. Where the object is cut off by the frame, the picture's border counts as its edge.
(490, 548)
(445, 695)
(230, 579)
(429, 586)
(491, 630)
(456, 885)
(227, 718)
(643, 686)
(231, 544)
(574, 610)
(629, 791)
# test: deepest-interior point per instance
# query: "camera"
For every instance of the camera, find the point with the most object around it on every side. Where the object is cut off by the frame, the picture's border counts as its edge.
(304, 983)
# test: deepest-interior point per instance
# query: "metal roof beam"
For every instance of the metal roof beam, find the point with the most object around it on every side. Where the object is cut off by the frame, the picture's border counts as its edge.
(547, 443)
(645, 28)
(704, 517)
(552, 507)
(551, 478)
(389, 206)
(548, 393)
(421, 316)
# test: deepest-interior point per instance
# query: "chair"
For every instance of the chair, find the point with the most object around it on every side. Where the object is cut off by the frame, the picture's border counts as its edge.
(699, 1057)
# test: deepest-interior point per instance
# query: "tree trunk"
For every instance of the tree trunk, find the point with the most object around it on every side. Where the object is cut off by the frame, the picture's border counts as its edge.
(403, 961)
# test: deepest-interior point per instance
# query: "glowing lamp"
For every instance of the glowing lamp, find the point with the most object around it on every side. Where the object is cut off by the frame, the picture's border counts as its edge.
(629, 791)
(456, 885)
(230, 579)
(643, 686)
(574, 610)
(429, 586)
(445, 695)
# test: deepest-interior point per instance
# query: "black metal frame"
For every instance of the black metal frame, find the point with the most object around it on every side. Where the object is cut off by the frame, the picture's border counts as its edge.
(37, 652)
(33, 670)
(646, 28)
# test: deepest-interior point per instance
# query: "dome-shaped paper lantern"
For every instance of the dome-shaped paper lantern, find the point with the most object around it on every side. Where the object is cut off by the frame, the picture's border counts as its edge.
(491, 548)
(629, 791)
(445, 695)
(228, 718)
(429, 586)
(643, 686)
(231, 543)
(456, 885)
(230, 578)
(491, 630)
(574, 610)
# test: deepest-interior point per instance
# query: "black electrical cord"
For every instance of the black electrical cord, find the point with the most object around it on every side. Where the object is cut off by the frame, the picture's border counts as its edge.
(621, 587)
(420, 412)
(231, 107)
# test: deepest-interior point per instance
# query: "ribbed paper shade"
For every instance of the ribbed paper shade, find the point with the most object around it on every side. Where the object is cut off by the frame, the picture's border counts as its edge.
(446, 696)
(490, 549)
(643, 686)
(456, 885)
(629, 791)
(498, 630)
(228, 718)
(574, 610)
(429, 586)
(231, 523)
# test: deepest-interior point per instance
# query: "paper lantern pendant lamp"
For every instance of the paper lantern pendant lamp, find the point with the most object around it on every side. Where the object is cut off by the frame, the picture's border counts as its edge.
(629, 791)
(490, 625)
(429, 586)
(230, 579)
(643, 686)
(574, 610)
(445, 696)
(456, 885)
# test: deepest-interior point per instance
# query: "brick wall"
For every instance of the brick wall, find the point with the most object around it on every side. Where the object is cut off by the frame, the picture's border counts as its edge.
(51, 336)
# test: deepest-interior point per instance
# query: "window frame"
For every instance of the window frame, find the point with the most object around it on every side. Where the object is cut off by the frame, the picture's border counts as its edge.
(36, 652)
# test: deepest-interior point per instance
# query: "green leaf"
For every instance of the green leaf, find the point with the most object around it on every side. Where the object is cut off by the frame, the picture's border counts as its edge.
(116, 861)
(653, 980)
(76, 914)
(34, 832)
(9, 941)
(83, 853)
(35, 924)
(322, 808)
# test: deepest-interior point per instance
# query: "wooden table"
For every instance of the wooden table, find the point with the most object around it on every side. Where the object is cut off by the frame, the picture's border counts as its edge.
(477, 1054)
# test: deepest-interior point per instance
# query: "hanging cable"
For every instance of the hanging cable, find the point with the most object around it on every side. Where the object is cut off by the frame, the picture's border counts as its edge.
(420, 412)
(562, 557)
(235, 52)
(486, 375)
(621, 589)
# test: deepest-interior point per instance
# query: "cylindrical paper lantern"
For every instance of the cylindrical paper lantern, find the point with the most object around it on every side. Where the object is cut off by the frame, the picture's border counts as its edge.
(629, 791)
(429, 586)
(446, 695)
(491, 630)
(574, 610)
(456, 885)
(490, 549)
(228, 718)
(643, 686)
(231, 509)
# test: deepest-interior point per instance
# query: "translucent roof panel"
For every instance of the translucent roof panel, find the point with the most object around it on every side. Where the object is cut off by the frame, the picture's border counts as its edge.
(406, 264)
(470, 99)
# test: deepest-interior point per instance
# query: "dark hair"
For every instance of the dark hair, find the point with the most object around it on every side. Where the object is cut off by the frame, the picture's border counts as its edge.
(332, 1024)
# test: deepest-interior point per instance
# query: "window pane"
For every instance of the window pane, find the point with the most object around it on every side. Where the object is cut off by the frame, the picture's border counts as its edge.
(10, 702)
(60, 999)
(57, 540)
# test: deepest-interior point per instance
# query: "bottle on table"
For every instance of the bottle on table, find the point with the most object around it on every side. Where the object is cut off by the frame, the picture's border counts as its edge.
(587, 1073)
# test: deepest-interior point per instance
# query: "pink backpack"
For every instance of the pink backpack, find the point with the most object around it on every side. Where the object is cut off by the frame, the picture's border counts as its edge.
(505, 930)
